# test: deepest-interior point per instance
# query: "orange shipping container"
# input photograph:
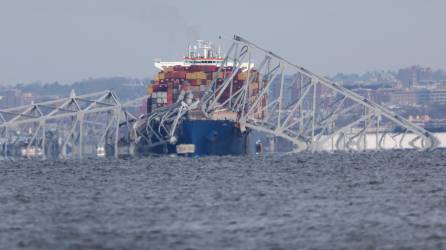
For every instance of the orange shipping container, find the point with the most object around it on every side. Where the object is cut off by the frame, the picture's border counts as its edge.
(179, 74)
(194, 82)
(190, 76)
(201, 75)
(220, 75)
(242, 76)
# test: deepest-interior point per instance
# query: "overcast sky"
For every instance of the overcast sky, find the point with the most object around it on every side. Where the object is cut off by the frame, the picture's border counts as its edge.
(69, 40)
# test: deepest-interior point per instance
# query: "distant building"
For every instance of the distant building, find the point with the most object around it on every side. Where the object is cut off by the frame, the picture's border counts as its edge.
(10, 98)
(415, 75)
(27, 98)
(418, 97)
(437, 97)
(420, 120)
(403, 98)
(376, 95)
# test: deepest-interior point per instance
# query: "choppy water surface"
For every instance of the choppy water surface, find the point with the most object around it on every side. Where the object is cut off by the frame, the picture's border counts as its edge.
(381, 200)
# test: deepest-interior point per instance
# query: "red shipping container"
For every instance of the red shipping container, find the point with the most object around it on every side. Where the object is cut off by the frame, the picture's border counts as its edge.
(180, 74)
(193, 82)
(209, 68)
(178, 68)
(194, 68)
(170, 95)
(185, 87)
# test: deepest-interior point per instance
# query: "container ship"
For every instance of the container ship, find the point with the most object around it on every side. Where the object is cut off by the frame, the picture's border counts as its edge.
(190, 78)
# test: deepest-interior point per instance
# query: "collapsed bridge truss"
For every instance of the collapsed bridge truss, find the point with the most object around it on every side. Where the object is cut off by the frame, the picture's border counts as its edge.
(306, 110)
(75, 126)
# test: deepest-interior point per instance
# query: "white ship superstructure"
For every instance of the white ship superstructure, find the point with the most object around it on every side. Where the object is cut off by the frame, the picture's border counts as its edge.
(202, 53)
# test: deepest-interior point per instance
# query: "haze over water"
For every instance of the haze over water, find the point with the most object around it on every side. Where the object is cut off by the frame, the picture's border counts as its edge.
(66, 41)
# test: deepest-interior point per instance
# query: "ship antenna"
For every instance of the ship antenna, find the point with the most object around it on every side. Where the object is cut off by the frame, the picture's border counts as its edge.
(219, 47)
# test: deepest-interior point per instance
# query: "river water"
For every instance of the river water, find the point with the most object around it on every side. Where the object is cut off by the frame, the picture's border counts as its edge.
(383, 200)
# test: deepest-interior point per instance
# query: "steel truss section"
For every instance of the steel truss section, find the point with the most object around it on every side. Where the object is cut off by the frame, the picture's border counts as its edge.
(160, 127)
(278, 98)
(306, 109)
(75, 126)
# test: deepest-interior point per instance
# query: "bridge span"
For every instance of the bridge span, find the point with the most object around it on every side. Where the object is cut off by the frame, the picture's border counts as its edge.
(292, 104)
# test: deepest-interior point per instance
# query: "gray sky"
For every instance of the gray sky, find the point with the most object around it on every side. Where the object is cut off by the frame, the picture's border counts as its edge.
(69, 40)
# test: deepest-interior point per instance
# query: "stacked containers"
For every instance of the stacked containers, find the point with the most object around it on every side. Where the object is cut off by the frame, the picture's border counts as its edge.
(168, 84)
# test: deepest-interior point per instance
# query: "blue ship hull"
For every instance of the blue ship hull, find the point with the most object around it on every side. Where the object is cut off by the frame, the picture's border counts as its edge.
(213, 137)
(208, 137)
